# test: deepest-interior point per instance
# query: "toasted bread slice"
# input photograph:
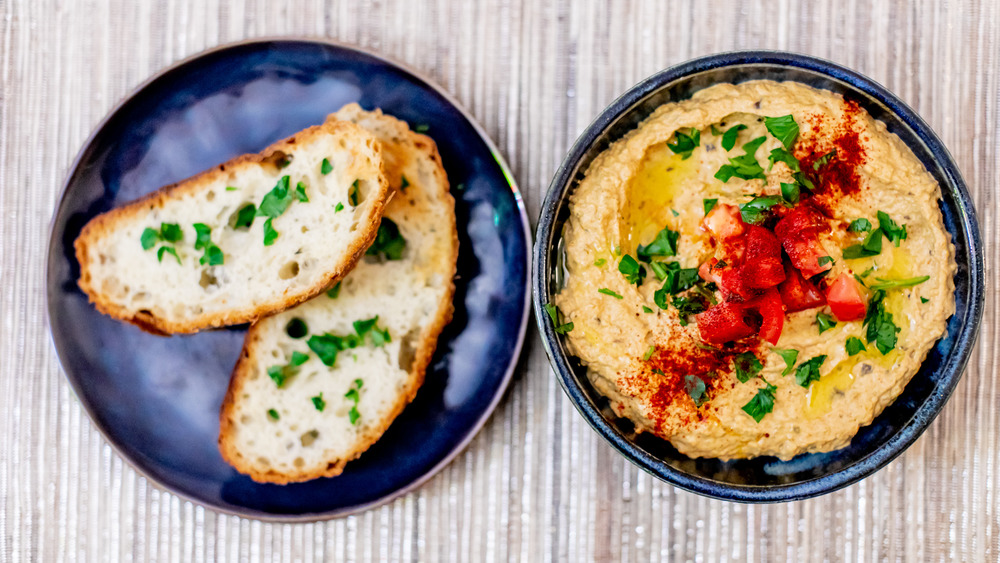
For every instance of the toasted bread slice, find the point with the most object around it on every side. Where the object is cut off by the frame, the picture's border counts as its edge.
(146, 264)
(322, 416)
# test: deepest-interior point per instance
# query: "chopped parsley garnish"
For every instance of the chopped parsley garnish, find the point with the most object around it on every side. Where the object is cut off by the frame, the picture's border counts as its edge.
(709, 204)
(318, 402)
(422, 128)
(781, 155)
(554, 315)
(325, 168)
(300, 192)
(607, 291)
(273, 414)
(389, 244)
(245, 216)
(328, 345)
(164, 250)
(761, 403)
(784, 128)
(790, 192)
(729, 138)
(895, 233)
(354, 395)
(665, 244)
(338, 207)
(789, 356)
(755, 210)
(880, 328)
(213, 254)
(871, 246)
(334, 291)
(646, 309)
(924, 300)
(630, 268)
(149, 238)
(231, 188)
(276, 201)
(600, 262)
(296, 328)
(352, 193)
(659, 269)
(171, 232)
(746, 366)
(280, 374)
(824, 260)
(896, 284)
(685, 143)
(808, 371)
(269, 233)
(823, 160)
(679, 279)
(860, 226)
(695, 388)
(687, 306)
(854, 345)
(403, 184)
(649, 353)
(715, 130)
(825, 322)
(744, 166)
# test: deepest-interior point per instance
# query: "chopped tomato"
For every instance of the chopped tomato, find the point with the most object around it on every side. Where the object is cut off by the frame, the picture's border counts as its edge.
(846, 298)
(772, 315)
(723, 323)
(724, 221)
(731, 283)
(708, 272)
(799, 233)
(798, 293)
(762, 261)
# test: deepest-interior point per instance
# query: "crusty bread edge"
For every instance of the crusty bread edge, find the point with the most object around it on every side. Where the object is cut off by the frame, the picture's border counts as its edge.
(421, 360)
(163, 327)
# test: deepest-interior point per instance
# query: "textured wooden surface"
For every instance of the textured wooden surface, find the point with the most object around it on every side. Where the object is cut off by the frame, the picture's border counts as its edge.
(536, 484)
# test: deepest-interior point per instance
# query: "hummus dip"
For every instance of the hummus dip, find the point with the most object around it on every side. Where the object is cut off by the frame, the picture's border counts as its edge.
(758, 270)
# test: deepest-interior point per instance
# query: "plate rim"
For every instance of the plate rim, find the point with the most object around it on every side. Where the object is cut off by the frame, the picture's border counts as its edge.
(474, 429)
(923, 415)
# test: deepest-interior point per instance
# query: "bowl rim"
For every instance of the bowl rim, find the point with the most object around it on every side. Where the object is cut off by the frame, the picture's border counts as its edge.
(952, 368)
(140, 467)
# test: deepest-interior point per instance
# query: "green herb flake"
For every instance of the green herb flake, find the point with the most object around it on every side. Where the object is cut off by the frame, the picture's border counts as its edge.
(273, 414)
(685, 144)
(762, 403)
(422, 128)
(353, 394)
(339, 207)
(664, 244)
(895, 233)
(553, 313)
(746, 366)
(783, 128)
(646, 309)
(607, 291)
(789, 356)
(318, 402)
(300, 192)
(404, 183)
(808, 371)
(231, 188)
(854, 345)
(630, 268)
(325, 168)
(352, 193)
(164, 250)
(334, 291)
(871, 246)
(695, 388)
(824, 260)
(245, 216)
(171, 232)
(824, 160)
(729, 137)
(924, 300)
(790, 193)
(276, 201)
(756, 210)
(880, 329)
(897, 284)
(149, 238)
(744, 166)
(715, 130)
(389, 243)
(860, 226)
(709, 204)
(687, 306)
(781, 155)
(825, 322)
(649, 353)
(659, 269)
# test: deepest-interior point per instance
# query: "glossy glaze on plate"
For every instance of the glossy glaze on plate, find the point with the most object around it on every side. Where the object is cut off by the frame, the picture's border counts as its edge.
(157, 399)
(769, 479)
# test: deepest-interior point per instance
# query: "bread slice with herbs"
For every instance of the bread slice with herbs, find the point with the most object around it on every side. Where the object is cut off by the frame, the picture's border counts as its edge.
(318, 384)
(250, 237)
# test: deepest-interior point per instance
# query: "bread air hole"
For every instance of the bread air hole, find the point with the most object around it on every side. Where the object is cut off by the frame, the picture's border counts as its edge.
(309, 437)
(264, 461)
(407, 351)
(245, 419)
(289, 270)
(299, 462)
(210, 196)
(207, 280)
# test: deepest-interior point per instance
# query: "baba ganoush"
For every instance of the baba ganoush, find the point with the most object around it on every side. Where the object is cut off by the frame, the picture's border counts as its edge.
(757, 270)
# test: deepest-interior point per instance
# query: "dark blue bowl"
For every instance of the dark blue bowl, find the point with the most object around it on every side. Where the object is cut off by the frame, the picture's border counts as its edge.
(156, 400)
(769, 479)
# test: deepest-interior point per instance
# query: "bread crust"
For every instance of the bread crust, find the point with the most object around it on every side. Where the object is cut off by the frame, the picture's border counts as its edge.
(105, 223)
(423, 352)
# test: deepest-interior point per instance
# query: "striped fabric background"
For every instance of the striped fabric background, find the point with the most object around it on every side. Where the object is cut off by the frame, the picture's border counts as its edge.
(537, 484)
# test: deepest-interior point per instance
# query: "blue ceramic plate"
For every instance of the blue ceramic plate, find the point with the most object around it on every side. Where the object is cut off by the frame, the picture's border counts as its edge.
(157, 399)
(769, 479)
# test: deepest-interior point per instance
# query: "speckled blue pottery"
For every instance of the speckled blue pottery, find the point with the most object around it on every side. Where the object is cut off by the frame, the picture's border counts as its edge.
(769, 479)
(156, 400)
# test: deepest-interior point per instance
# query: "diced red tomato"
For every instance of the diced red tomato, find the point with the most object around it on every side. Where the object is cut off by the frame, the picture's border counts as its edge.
(798, 293)
(724, 221)
(799, 232)
(731, 283)
(846, 298)
(708, 272)
(723, 323)
(772, 314)
(762, 267)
